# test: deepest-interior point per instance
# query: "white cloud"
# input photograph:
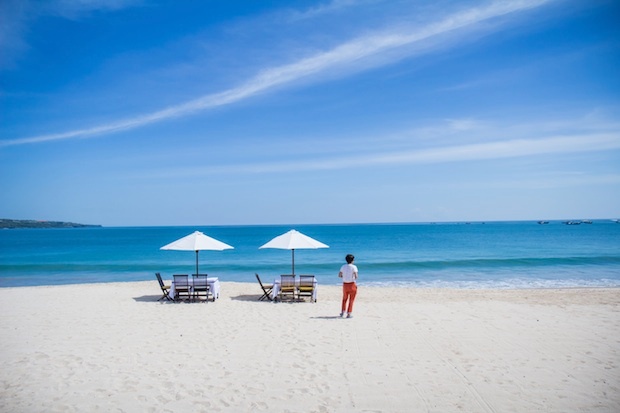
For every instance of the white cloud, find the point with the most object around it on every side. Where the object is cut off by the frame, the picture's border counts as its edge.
(506, 149)
(14, 20)
(16, 17)
(498, 149)
(73, 9)
(357, 54)
(329, 7)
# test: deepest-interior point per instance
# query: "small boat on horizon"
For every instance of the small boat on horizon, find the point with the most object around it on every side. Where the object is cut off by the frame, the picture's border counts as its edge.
(543, 222)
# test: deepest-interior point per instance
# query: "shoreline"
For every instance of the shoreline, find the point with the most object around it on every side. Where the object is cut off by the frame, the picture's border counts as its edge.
(444, 285)
(112, 346)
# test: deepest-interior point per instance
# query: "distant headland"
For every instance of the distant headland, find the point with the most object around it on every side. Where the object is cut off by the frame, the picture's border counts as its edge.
(31, 223)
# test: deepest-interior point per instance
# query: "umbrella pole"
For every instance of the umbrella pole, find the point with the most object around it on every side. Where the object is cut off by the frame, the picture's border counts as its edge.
(197, 263)
(293, 251)
(207, 300)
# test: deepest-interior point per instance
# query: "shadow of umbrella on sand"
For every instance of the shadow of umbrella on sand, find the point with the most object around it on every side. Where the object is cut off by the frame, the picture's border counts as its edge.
(196, 241)
(293, 240)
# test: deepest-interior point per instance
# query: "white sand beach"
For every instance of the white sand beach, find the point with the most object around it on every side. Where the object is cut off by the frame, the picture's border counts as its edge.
(113, 347)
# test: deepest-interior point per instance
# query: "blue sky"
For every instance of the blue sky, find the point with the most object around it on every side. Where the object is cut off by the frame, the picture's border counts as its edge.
(129, 113)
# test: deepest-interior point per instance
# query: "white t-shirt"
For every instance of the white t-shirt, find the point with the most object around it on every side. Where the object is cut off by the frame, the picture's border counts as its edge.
(347, 271)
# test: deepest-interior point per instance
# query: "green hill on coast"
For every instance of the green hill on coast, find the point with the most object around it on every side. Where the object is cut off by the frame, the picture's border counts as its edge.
(30, 223)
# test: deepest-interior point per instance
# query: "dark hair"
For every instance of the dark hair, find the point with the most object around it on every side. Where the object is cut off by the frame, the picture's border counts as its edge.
(349, 258)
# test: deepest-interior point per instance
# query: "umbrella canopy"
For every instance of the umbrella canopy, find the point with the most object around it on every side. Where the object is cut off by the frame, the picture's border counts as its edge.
(197, 241)
(293, 240)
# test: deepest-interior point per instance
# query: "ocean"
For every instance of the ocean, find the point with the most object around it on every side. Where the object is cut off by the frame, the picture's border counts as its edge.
(451, 255)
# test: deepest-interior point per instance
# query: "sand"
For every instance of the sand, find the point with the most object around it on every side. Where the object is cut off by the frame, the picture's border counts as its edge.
(114, 348)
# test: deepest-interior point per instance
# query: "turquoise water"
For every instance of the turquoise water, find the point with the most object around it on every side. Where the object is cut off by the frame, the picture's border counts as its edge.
(458, 255)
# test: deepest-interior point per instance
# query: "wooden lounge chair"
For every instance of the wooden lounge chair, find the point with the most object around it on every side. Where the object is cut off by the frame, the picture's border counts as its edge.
(165, 289)
(287, 287)
(181, 287)
(201, 286)
(267, 288)
(306, 286)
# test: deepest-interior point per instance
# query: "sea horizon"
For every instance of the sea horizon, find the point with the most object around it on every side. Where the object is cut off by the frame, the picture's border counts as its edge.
(437, 222)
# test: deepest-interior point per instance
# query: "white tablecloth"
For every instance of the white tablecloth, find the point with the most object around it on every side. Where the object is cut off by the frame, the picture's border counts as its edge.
(214, 286)
(276, 288)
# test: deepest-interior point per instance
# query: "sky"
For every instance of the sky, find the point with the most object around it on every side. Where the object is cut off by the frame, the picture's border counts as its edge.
(162, 112)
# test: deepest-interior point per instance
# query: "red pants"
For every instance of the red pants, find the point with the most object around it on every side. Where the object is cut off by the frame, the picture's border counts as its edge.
(349, 290)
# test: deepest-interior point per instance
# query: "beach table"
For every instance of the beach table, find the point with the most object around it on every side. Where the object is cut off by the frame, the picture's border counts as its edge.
(214, 286)
(276, 288)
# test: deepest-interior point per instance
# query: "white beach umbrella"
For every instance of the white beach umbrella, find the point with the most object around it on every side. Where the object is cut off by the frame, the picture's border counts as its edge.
(293, 240)
(197, 241)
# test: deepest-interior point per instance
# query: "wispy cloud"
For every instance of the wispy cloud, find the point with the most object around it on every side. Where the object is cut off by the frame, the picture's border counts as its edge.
(80, 8)
(329, 7)
(14, 19)
(506, 149)
(380, 48)
(497, 149)
(16, 16)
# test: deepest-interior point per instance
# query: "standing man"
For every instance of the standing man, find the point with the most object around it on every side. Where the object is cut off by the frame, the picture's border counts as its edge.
(348, 273)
